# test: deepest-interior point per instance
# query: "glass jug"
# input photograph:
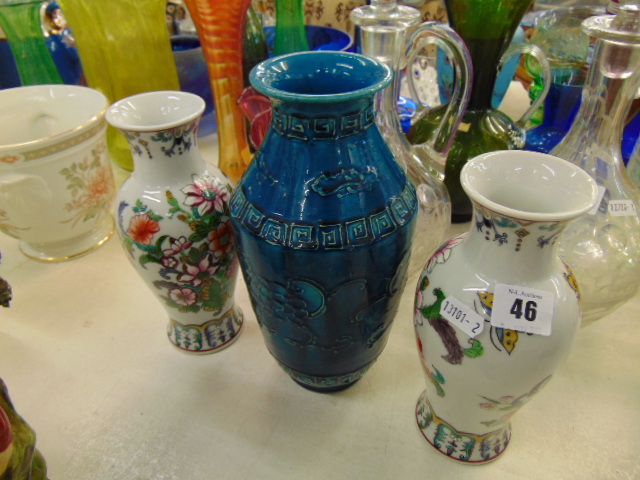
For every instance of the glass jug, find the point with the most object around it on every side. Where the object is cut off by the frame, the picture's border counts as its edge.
(382, 34)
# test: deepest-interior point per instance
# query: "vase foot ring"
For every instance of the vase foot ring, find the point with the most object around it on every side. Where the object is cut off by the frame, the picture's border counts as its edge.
(70, 249)
(466, 448)
(326, 384)
(211, 337)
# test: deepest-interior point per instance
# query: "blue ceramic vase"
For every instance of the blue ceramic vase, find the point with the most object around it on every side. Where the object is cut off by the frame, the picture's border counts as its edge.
(323, 219)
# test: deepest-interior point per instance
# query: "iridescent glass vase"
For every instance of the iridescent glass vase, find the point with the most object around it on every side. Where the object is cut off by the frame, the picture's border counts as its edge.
(221, 27)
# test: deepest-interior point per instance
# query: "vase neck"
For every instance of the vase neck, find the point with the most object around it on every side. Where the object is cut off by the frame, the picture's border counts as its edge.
(487, 29)
(322, 121)
(512, 247)
(165, 155)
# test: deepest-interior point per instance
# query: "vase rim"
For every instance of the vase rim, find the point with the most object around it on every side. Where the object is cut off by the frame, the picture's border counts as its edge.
(155, 111)
(529, 185)
(288, 77)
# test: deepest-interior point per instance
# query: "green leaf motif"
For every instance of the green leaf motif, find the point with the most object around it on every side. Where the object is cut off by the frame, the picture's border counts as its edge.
(140, 207)
(214, 297)
(475, 351)
(189, 308)
(146, 258)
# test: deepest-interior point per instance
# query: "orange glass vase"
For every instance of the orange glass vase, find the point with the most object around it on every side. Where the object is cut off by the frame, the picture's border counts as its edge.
(221, 30)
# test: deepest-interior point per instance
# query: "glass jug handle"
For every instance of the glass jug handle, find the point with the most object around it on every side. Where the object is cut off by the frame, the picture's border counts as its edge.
(539, 55)
(455, 49)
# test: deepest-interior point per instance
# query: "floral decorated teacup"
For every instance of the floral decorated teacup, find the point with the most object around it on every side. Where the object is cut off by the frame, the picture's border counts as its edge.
(56, 183)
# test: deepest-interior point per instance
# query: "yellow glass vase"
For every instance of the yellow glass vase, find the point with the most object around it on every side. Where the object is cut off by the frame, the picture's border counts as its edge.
(125, 49)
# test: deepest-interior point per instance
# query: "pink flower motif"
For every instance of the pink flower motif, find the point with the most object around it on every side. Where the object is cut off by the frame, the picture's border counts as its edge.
(418, 304)
(183, 296)
(177, 245)
(443, 254)
(196, 274)
(488, 405)
(169, 262)
(206, 194)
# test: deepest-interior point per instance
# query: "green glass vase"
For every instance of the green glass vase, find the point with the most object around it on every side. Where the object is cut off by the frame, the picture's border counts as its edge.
(291, 35)
(20, 21)
(487, 28)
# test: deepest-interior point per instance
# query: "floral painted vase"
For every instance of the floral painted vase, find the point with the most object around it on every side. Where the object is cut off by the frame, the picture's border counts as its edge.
(496, 309)
(324, 217)
(173, 219)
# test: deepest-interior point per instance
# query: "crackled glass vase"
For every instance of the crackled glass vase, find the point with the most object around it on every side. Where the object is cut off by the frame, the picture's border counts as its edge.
(382, 35)
(324, 241)
(21, 22)
(173, 219)
(603, 248)
(125, 49)
(487, 28)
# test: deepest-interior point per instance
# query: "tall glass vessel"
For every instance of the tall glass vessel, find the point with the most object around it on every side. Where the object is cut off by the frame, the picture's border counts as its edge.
(487, 28)
(221, 27)
(382, 35)
(20, 21)
(291, 35)
(125, 49)
(603, 248)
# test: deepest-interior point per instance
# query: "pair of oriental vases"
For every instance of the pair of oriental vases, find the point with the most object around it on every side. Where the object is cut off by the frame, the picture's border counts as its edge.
(322, 224)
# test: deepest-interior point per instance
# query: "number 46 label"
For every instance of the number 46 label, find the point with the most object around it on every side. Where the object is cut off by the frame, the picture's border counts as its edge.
(524, 309)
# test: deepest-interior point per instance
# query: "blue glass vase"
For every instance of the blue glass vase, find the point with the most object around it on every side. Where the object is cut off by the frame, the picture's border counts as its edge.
(560, 109)
(323, 219)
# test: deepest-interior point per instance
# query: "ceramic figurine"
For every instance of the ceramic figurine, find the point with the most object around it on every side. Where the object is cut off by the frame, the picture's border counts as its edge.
(173, 219)
(5, 291)
(323, 218)
(496, 310)
(19, 459)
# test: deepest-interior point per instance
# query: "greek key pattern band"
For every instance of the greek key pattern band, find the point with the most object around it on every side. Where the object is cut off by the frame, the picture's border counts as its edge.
(322, 128)
(326, 236)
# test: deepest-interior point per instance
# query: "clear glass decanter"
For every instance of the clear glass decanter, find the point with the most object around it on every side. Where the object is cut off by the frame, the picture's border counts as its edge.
(383, 35)
(603, 247)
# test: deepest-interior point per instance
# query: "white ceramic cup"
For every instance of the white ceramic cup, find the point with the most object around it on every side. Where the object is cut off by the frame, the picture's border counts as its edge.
(56, 184)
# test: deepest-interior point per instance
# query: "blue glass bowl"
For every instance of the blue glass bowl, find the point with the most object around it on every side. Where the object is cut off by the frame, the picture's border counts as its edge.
(320, 38)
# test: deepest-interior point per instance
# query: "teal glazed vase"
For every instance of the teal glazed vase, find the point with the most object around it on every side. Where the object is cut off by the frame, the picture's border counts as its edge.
(323, 219)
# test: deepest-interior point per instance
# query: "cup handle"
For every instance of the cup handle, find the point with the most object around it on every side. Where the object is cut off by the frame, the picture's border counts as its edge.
(538, 54)
(24, 195)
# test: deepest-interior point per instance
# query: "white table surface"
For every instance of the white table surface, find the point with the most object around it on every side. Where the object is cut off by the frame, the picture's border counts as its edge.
(84, 353)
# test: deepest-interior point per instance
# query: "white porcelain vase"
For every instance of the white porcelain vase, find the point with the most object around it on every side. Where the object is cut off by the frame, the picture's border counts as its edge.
(496, 309)
(173, 219)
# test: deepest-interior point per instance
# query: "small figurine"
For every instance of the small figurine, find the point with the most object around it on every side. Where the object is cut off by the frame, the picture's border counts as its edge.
(5, 295)
(19, 459)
